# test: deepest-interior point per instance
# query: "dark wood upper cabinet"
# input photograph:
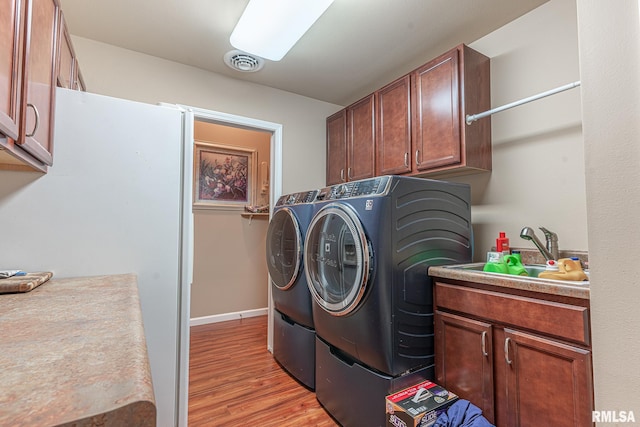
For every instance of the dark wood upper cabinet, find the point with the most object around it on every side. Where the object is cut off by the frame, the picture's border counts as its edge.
(351, 142)
(68, 71)
(445, 90)
(337, 148)
(28, 37)
(10, 38)
(419, 125)
(361, 139)
(39, 77)
(36, 55)
(437, 113)
(66, 58)
(393, 131)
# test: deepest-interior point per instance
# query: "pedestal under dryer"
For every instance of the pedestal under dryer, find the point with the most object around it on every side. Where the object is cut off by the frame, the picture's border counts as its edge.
(294, 332)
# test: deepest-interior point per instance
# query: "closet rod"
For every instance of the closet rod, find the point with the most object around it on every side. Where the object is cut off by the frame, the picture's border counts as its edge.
(473, 117)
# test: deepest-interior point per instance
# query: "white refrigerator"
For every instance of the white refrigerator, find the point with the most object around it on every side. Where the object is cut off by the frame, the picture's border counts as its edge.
(117, 200)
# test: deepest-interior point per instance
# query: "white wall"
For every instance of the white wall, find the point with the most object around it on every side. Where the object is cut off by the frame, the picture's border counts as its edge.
(538, 154)
(610, 68)
(121, 73)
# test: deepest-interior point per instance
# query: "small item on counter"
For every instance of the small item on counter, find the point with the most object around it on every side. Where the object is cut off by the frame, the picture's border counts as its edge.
(10, 273)
(495, 263)
(502, 243)
(496, 267)
(575, 258)
(564, 269)
(494, 256)
(514, 265)
(506, 264)
(552, 265)
(24, 282)
(257, 209)
(517, 255)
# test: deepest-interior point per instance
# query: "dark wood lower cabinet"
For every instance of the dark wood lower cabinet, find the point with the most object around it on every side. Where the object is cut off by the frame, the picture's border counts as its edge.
(548, 382)
(464, 359)
(517, 374)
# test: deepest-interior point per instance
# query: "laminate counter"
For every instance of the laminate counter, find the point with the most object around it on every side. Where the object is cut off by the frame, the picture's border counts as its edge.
(73, 353)
(569, 289)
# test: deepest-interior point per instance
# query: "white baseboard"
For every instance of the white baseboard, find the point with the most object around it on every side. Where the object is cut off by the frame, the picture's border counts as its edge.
(227, 316)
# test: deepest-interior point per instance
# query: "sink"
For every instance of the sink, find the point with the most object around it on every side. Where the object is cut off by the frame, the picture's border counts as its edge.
(532, 269)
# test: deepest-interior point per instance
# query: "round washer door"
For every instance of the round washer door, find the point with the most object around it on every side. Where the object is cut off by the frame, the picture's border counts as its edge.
(284, 249)
(337, 259)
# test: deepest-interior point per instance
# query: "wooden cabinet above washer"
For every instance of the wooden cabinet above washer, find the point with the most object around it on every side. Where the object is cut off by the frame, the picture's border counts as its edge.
(420, 126)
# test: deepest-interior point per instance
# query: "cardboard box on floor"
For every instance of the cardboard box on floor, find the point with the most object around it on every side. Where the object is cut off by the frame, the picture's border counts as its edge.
(418, 406)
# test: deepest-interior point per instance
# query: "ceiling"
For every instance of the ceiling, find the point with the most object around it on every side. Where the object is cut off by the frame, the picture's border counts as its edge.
(356, 47)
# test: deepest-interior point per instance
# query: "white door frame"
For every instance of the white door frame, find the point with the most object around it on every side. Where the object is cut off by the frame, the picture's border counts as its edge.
(275, 187)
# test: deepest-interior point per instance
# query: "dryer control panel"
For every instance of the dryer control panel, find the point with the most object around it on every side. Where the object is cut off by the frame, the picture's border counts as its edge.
(297, 198)
(365, 187)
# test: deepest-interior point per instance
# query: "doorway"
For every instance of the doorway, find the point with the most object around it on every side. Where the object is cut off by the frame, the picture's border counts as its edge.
(229, 269)
(193, 115)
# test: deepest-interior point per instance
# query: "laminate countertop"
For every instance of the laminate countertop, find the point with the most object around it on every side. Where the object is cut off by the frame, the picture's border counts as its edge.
(73, 353)
(553, 287)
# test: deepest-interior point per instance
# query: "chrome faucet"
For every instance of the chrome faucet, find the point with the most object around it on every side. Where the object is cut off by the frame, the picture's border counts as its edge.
(551, 250)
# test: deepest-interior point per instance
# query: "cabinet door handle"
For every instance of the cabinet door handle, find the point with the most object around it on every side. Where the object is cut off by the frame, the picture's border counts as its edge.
(506, 351)
(349, 174)
(406, 159)
(484, 343)
(417, 155)
(342, 175)
(35, 128)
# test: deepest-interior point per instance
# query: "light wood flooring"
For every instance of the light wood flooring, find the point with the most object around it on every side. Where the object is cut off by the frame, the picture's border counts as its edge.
(235, 381)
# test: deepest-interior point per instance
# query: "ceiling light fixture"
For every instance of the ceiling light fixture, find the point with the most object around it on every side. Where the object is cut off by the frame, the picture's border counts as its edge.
(269, 28)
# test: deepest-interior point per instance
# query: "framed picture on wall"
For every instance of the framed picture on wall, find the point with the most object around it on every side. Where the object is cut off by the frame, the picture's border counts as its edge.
(223, 176)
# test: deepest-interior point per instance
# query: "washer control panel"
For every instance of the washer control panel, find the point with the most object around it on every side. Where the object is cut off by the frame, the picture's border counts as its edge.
(297, 198)
(365, 187)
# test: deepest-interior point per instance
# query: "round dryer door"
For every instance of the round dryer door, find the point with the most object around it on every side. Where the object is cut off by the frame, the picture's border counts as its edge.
(337, 259)
(284, 249)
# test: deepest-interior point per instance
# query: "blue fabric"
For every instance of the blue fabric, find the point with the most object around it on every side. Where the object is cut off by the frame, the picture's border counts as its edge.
(462, 414)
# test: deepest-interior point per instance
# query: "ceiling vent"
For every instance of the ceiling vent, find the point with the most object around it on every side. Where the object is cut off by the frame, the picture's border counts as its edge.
(242, 61)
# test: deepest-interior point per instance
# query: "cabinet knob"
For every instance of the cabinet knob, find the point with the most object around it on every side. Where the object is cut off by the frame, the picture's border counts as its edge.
(35, 127)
